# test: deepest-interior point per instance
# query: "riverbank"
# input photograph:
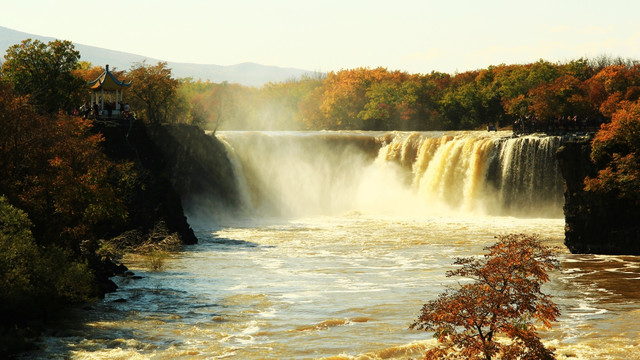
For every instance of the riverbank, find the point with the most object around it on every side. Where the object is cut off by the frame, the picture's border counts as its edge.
(169, 166)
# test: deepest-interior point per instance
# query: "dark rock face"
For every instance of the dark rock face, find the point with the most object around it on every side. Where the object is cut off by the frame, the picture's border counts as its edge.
(154, 198)
(179, 167)
(197, 166)
(174, 165)
(594, 223)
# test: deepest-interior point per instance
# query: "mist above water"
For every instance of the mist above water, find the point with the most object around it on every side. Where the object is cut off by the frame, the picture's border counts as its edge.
(302, 174)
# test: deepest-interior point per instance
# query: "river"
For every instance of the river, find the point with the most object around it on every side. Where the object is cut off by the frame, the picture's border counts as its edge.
(341, 239)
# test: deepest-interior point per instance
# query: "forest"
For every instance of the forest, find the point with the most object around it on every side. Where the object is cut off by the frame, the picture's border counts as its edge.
(63, 201)
(589, 90)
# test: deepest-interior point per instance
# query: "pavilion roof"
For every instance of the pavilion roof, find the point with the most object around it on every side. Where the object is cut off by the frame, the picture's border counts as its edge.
(107, 81)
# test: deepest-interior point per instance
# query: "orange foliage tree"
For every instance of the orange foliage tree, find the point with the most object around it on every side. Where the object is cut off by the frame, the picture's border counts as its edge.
(563, 96)
(53, 168)
(154, 92)
(614, 84)
(495, 314)
(344, 96)
(615, 150)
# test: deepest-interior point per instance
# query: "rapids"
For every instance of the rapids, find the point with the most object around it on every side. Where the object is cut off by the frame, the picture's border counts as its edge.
(342, 238)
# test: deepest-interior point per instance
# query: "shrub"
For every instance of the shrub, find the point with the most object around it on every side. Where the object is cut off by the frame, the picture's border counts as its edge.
(34, 279)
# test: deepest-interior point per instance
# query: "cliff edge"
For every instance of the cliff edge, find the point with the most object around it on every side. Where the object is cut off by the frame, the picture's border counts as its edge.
(594, 223)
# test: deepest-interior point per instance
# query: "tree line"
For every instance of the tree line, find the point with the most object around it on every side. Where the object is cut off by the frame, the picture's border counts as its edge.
(353, 99)
(380, 99)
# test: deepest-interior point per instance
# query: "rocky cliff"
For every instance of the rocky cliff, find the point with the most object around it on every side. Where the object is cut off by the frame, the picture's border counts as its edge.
(154, 199)
(594, 223)
(176, 165)
(198, 168)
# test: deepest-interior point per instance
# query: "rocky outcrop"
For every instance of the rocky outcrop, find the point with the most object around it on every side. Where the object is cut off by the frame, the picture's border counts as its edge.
(198, 167)
(179, 167)
(594, 223)
(174, 165)
(154, 198)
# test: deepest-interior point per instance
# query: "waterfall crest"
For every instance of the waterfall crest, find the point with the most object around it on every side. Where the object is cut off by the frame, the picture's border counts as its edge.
(295, 174)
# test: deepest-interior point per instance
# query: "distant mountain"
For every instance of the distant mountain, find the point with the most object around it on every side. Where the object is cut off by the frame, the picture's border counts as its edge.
(249, 74)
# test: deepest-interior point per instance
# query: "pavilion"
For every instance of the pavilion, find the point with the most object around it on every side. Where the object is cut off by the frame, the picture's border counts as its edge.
(107, 92)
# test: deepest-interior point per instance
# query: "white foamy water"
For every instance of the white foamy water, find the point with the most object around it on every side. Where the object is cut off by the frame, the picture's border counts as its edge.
(341, 246)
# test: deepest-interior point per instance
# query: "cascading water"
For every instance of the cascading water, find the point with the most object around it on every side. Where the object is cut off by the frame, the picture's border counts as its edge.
(300, 174)
(347, 235)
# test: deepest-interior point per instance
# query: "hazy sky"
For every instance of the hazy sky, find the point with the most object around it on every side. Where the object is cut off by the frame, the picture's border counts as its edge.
(417, 36)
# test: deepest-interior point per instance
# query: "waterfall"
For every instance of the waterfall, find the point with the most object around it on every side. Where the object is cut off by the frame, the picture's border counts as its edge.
(294, 174)
(482, 172)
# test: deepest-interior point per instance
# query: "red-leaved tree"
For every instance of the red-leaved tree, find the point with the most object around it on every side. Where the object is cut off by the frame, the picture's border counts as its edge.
(496, 314)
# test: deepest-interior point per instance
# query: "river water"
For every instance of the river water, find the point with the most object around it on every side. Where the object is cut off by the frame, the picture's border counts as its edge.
(342, 238)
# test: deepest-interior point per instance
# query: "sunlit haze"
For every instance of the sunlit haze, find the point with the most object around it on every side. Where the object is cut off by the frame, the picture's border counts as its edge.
(418, 36)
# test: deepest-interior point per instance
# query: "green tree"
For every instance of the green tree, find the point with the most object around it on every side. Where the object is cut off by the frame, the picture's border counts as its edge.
(35, 279)
(462, 107)
(392, 104)
(44, 72)
(504, 300)
(17, 252)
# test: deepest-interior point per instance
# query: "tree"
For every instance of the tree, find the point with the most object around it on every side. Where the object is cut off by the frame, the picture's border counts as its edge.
(33, 278)
(503, 300)
(53, 168)
(17, 251)
(615, 150)
(564, 96)
(154, 92)
(44, 72)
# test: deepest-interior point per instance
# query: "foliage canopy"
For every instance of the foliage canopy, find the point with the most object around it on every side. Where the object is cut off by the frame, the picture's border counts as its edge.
(495, 314)
(44, 72)
(615, 150)
(381, 99)
(154, 92)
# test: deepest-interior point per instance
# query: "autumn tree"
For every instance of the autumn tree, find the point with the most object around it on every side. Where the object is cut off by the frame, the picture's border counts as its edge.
(154, 92)
(344, 97)
(615, 150)
(614, 84)
(564, 96)
(53, 168)
(380, 99)
(218, 106)
(280, 105)
(495, 315)
(44, 72)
